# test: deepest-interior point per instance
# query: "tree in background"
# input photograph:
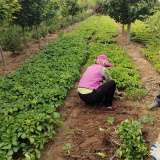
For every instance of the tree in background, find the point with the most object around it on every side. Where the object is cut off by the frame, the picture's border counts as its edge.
(29, 15)
(127, 11)
(83, 5)
(64, 5)
(154, 21)
(73, 8)
(50, 11)
(7, 8)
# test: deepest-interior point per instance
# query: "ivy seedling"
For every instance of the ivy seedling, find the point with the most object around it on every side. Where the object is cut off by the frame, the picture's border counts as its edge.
(110, 120)
(66, 147)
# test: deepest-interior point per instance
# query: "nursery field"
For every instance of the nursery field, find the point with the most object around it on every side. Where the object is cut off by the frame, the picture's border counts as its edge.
(88, 130)
(46, 114)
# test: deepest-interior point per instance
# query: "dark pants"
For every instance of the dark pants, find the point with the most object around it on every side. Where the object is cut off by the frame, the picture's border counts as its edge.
(158, 99)
(104, 92)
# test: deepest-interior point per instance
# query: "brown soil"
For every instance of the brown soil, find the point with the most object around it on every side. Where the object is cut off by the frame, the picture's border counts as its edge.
(82, 121)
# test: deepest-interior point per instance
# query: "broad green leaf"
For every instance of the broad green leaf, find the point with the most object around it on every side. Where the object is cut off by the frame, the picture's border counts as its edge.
(39, 128)
(10, 153)
(23, 136)
(38, 153)
(31, 139)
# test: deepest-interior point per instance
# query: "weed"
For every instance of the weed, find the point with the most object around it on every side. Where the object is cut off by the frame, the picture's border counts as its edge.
(66, 147)
(67, 128)
(49, 152)
(102, 130)
(69, 137)
(149, 118)
(110, 120)
(76, 129)
(136, 104)
(103, 155)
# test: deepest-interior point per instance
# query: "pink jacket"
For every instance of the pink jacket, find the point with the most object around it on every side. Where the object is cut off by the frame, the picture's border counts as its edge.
(92, 78)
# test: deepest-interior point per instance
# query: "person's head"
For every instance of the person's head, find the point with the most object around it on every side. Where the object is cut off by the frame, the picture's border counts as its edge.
(103, 61)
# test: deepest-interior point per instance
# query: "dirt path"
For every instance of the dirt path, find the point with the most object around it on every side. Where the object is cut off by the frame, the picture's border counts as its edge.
(82, 121)
(148, 73)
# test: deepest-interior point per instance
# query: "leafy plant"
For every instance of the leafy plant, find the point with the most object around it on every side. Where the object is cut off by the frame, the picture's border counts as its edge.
(102, 130)
(103, 155)
(133, 145)
(136, 104)
(76, 129)
(66, 147)
(149, 118)
(12, 40)
(67, 128)
(110, 120)
(69, 136)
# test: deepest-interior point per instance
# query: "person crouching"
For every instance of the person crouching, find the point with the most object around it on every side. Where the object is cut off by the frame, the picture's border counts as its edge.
(91, 88)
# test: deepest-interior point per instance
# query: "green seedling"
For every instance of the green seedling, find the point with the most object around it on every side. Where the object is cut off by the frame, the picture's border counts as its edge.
(69, 135)
(76, 129)
(149, 118)
(136, 104)
(66, 147)
(102, 130)
(49, 152)
(129, 132)
(120, 97)
(110, 120)
(103, 155)
(67, 128)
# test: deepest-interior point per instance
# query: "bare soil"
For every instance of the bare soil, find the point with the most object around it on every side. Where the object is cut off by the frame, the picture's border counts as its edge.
(82, 121)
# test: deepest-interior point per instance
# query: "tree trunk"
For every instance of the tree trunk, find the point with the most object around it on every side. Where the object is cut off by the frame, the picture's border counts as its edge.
(47, 30)
(63, 24)
(123, 30)
(38, 37)
(24, 42)
(72, 22)
(68, 24)
(128, 32)
(5, 68)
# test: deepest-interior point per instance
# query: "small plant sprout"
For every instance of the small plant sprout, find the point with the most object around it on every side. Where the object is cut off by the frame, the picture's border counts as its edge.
(136, 104)
(103, 155)
(110, 120)
(66, 147)
(67, 128)
(102, 130)
(49, 152)
(120, 97)
(69, 135)
(76, 129)
(149, 118)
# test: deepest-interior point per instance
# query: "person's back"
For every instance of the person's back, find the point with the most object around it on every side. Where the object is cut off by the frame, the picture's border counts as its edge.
(92, 78)
(91, 88)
